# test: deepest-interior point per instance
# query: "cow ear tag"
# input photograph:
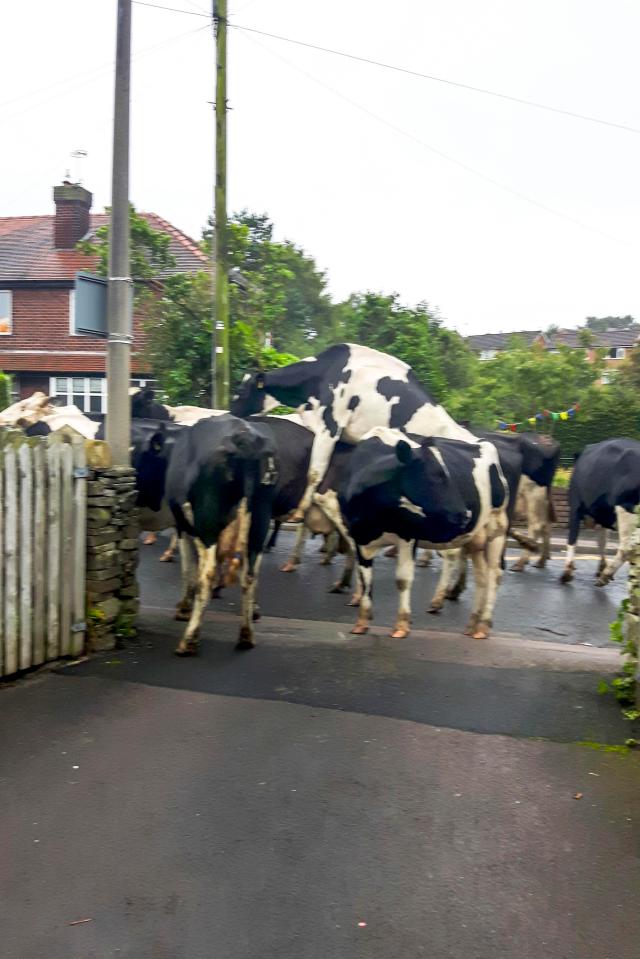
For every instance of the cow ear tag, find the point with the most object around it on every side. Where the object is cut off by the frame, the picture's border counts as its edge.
(260, 381)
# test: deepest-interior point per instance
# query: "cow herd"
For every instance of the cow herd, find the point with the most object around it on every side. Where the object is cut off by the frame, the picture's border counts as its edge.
(369, 460)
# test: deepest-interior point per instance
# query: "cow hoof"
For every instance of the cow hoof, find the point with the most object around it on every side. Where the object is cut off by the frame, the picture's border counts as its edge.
(182, 615)
(245, 640)
(423, 563)
(603, 580)
(567, 576)
(167, 556)
(337, 588)
(453, 595)
(360, 629)
(289, 567)
(517, 568)
(256, 615)
(326, 561)
(400, 632)
(541, 564)
(482, 632)
(354, 601)
(189, 648)
(434, 610)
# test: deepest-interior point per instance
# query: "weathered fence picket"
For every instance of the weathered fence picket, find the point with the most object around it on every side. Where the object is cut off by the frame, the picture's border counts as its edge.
(42, 549)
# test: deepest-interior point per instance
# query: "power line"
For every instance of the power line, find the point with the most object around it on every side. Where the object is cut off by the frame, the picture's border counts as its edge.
(441, 154)
(427, 76)
(158, 6)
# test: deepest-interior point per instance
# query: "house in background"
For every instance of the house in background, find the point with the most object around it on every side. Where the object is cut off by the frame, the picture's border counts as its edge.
(40, 343)
(615, 342)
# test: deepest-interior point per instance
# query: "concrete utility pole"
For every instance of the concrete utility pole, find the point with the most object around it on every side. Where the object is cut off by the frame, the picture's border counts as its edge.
(220, 373)
(119, 293)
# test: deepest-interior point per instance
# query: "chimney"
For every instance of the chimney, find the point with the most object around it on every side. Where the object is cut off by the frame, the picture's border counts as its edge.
(71, 223)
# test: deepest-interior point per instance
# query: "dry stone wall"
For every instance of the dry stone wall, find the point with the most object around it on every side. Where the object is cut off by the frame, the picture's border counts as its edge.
(112, 556)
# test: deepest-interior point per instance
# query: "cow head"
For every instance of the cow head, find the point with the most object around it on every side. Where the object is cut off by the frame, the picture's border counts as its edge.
(145, 406)
(428, 490)
(252, 396)
(151, 453)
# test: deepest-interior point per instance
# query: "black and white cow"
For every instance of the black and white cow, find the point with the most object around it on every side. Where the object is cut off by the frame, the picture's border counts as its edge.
(209, 475)
(447, 493)
(605, 485)
(342, 394)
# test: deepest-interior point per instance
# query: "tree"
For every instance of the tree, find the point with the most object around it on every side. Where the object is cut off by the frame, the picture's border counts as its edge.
(440, 358)
(149, 251)
(521, 382)
(601, 323)
(278, 289)
(5, 391)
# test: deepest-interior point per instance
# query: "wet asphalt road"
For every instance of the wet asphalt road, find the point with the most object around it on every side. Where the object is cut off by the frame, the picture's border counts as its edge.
(324, 796)
(532, 604)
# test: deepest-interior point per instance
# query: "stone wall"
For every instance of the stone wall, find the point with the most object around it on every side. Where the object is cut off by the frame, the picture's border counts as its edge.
(112, 556)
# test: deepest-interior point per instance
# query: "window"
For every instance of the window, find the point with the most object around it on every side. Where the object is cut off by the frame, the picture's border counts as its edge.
(608, 376)
(88, 393)
(616, 353)
(487, 354)
(6, 326)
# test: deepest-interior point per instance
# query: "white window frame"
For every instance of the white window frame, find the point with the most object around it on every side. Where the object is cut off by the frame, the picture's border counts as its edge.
(616, 353)
(10, 316)
(87, 394)
(488, 354)
(72, 313)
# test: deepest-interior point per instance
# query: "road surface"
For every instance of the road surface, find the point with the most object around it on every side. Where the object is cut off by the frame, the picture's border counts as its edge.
(323, 796)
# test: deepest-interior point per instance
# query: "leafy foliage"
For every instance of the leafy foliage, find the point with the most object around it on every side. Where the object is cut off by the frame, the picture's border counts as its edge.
(149, 251)
(5, 391)
(440, 358)
(601, 323)
(623, 687)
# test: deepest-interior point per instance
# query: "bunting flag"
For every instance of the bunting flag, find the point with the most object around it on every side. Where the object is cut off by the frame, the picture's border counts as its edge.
(563, 416)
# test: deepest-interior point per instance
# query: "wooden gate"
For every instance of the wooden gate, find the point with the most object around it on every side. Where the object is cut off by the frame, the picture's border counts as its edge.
(42, 549)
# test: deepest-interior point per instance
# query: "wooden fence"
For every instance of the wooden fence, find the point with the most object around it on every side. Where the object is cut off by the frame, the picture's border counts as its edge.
(42, 549)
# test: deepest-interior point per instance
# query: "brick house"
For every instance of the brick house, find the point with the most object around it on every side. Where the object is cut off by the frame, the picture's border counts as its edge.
(616, 344)
(39, 345)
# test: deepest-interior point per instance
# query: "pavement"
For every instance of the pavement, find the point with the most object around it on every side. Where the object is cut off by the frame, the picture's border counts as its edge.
(323, 795)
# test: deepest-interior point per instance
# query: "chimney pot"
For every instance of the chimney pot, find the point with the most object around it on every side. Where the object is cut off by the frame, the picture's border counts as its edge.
(72, 220)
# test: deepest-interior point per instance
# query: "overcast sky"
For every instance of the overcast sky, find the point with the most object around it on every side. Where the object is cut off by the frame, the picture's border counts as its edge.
(338, 152)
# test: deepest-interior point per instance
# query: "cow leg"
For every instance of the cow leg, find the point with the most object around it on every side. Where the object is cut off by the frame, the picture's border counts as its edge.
(296, 554)
(188, 576)
(259, 520)
(544, 536)
(170, 551)
(572, 539)
(424, 558)
(271, 542)
(330, 547)
(601, 536)
(188, 645)
(321, 452)
(446, 574)
(480, 583)
(405, 571)
(347, 570)
(457, 578)
(493, 557)
(626, 523)
(365, 574)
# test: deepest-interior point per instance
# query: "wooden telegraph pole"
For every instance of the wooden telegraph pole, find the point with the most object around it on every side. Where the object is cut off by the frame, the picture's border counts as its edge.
(220, 343)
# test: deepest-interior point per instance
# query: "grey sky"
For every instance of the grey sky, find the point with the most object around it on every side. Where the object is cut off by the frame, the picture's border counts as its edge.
(377, 209)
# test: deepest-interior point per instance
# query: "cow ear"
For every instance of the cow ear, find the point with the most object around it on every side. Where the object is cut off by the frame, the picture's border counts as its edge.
(404, 452)
(260, 381)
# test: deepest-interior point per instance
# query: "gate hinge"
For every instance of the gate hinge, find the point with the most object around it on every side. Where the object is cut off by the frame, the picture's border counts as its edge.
(79, 628)
(81, 472)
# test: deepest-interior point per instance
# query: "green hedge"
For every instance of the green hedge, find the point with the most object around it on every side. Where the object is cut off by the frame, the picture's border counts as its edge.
(5, 391)
(604, 413)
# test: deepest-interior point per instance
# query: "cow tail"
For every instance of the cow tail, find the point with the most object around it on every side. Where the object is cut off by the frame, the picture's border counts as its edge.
(525, 541)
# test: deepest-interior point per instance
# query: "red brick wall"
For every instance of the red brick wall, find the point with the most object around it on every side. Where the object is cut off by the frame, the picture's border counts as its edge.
(41, 322)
